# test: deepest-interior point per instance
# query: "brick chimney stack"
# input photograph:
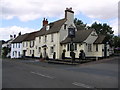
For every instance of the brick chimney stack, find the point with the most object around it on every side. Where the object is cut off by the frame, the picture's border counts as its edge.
(45, 22)
(69, 14)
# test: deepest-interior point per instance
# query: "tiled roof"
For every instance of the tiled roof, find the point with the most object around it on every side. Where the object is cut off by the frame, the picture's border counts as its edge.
(20, 38)
(100, 39)
(54, 27)
(31, 36)
(80, 36)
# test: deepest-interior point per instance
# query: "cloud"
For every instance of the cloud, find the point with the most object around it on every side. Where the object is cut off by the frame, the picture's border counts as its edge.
(114, 25)
(6, 32)
(27, 10)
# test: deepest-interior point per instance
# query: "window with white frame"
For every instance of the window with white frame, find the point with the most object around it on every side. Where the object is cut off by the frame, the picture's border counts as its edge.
(18, 53)
(89, 47)
(31, 43)
(23, 44)
(96, 47)
(52, 37)
(30, 51)
(39, 50)
(13, 45)
(65, 26)
(19, 45)
(39, 39)
(16, 45)
(68, 47)
(51, 50)
(13, 53)
(47, 27)
(45, 38)
(26, 44)
(75, 46)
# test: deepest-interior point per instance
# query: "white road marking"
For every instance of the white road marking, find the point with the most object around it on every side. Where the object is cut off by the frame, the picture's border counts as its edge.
(42, 75)
(82, 85)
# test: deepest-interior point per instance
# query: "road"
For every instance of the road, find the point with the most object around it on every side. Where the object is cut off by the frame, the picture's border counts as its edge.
(19, 74)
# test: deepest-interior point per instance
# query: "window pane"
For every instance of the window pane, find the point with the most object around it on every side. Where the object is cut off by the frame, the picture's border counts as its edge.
(96, 47)
(75, 46)
(68, 47)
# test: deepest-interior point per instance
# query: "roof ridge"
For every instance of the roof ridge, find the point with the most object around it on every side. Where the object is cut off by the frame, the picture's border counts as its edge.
(57, 20)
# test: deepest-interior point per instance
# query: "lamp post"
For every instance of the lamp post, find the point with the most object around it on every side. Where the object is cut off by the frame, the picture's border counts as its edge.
(71, 34)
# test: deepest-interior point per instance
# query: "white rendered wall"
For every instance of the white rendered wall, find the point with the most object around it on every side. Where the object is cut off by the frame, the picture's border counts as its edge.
(17, 48)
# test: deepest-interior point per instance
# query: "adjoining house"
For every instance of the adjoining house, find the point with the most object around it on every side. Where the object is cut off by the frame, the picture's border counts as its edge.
(53, 38)
(7, 45)
(16, 46)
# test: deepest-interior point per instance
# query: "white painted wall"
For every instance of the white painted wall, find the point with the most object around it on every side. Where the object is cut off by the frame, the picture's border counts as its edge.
(16, 50)
(49, 44)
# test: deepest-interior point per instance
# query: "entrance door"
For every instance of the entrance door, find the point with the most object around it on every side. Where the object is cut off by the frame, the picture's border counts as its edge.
(24, 51)
(105, 50)
(44, 53)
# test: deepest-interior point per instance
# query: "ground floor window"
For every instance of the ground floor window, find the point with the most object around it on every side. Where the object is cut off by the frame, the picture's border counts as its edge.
(19, 54)
(89, 47)
(13, 53)
(68, 47)
(75, 46)
(30, 51)
(51, 50)
(97, 47)
(39, 50)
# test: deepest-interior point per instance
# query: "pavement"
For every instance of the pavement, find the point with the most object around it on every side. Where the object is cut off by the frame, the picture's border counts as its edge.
(36, 74)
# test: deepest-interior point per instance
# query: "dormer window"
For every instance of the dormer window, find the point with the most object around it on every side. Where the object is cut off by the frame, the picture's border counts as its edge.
(47, 27)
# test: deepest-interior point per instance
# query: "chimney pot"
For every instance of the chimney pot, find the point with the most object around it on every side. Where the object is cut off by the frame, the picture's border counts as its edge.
(45, 22)
(14, 36)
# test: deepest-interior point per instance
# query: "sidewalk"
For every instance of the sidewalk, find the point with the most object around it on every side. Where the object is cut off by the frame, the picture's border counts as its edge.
(65, 61)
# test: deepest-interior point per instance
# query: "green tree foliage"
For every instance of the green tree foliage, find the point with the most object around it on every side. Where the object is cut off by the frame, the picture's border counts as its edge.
(100, 28)
(79, 24)
(116, 41)
(5, 51)
(103, 29)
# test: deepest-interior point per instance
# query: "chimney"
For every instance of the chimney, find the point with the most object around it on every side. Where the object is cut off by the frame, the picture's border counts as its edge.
(19, 33)
(11, 37)
(45, 22)
(69, 14)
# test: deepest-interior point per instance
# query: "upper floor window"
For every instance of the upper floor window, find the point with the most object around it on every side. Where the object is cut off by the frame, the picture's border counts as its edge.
(51, 37)
(45, 38)
(89, 47)
(16, 45)
(26, 44)
(19, 45)
(47, 27)
(65, 26)
(39, 38)
(31, 43)
(23, 44)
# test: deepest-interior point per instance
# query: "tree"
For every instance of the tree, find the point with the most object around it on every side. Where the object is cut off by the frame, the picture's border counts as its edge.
(79, 24)
(5, 51)
(116, 41)
(103, 29)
